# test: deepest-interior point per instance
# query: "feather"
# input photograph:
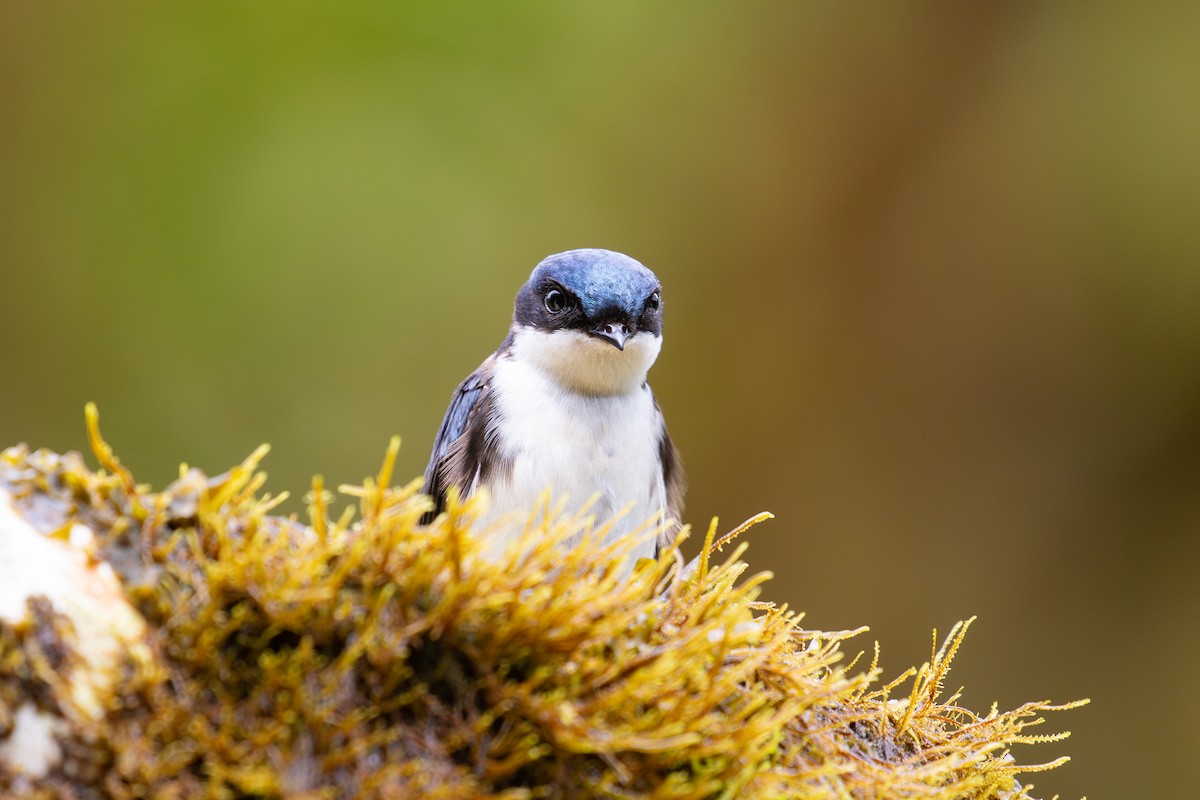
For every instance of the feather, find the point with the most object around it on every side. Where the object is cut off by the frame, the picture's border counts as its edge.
(461, 448)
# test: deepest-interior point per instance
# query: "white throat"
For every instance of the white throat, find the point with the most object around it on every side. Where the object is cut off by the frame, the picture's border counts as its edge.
(586, 364)
(575, 416)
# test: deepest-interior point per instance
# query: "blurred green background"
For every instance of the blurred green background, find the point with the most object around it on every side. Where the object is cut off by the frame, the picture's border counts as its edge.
(932, 280)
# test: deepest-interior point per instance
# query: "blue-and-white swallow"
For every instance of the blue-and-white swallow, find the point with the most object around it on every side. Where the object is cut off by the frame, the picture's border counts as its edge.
(564, 404)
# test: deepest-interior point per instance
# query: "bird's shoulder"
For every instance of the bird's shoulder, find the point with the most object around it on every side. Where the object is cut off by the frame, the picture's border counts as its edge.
(674, 479)
(459, 449)
(463, 404)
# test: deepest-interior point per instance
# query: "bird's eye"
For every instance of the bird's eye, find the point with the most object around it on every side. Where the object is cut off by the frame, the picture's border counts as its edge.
(555, 301)
(653, 302)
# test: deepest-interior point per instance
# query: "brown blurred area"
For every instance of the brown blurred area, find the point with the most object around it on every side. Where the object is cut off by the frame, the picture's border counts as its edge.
(932, 282)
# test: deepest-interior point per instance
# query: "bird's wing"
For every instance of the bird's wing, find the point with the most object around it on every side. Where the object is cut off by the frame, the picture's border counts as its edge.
(675, 482)
(461, 444)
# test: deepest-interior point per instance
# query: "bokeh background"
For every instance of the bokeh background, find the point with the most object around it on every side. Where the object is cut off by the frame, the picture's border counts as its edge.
(932, 286)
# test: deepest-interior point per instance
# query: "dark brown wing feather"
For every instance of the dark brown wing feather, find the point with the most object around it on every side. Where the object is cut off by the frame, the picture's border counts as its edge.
(675, 482)
(463, 443)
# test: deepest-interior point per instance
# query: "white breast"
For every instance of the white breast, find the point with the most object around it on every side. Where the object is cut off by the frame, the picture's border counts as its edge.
(577, 444)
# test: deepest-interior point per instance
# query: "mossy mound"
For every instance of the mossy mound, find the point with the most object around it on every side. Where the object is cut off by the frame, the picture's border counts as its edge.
(385, 659)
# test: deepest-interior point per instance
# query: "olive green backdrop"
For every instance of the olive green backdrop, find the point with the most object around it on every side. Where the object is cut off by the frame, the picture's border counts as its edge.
(932, 286)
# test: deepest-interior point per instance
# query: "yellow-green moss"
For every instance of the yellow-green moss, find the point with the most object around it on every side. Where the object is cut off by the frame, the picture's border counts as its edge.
(385, 659)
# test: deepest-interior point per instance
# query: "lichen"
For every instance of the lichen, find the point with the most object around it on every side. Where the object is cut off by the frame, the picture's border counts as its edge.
(381, 658)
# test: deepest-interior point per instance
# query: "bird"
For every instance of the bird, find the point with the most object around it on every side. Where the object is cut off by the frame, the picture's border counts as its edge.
(564, 405)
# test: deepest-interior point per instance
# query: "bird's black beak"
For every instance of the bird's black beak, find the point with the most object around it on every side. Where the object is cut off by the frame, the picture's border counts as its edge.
(615, 333)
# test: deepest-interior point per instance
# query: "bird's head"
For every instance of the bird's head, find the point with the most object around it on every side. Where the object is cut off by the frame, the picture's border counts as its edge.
(592, 319)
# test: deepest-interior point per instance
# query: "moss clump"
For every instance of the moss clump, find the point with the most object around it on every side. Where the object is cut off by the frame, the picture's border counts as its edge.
(385, 659)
